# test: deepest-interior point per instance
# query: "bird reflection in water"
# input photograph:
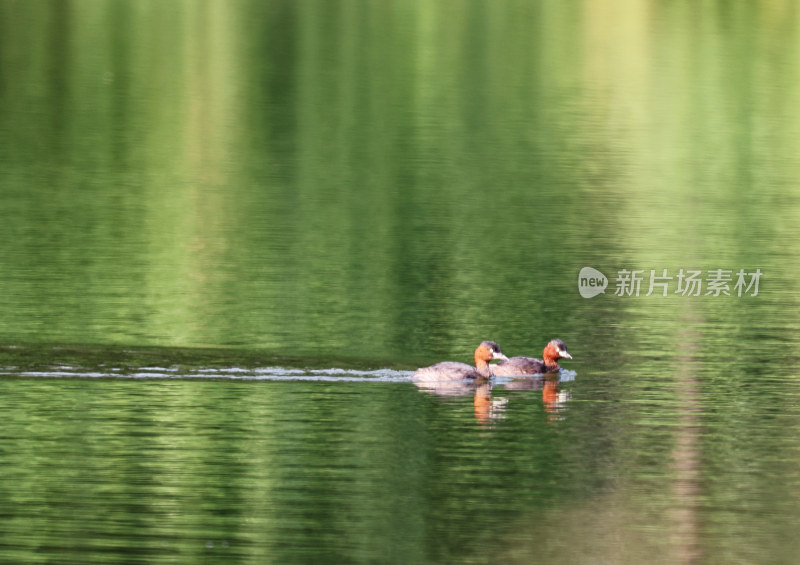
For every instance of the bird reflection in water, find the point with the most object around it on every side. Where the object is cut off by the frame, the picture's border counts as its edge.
(554, 398)
(486, 407)
(489, 407)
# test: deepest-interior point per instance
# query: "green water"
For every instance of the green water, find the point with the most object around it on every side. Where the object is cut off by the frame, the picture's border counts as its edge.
(199, 199)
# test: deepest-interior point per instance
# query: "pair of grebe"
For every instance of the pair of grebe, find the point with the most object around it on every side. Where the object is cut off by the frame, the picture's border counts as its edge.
(489, 351)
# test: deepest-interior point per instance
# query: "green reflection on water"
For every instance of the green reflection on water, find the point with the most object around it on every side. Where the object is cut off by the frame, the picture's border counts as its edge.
(387, 184)
(253, 175)
(293, 473)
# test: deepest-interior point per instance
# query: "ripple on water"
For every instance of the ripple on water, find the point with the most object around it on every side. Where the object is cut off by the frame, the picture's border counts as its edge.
(227, 373)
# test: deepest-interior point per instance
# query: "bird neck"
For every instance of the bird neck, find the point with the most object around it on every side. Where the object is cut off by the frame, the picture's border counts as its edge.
(550, 357)
(482, 365)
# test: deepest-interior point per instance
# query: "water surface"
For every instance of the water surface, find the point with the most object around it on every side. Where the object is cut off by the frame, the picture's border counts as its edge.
(230, 231)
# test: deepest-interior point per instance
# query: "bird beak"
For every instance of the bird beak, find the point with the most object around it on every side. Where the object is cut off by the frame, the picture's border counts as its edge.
(499, 356)
(565, 354)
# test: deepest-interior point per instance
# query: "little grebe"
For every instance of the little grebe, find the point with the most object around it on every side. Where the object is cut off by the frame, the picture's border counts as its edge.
(451, 370)
(530, 366)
